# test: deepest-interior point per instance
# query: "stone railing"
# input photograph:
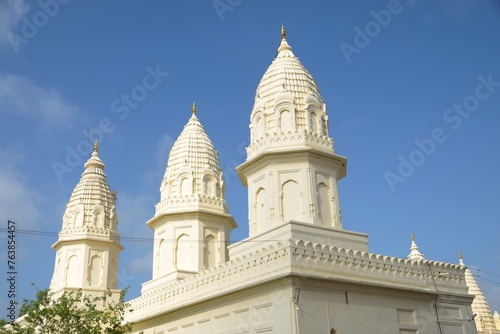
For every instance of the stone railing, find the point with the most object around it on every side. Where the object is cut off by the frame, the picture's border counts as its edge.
(378, 269)
(230, 276)
(194, 201)
(299, 258)
(297, 138)
(81, 231)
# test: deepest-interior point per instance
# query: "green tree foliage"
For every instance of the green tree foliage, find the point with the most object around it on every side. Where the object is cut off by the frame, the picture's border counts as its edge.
(72, 313)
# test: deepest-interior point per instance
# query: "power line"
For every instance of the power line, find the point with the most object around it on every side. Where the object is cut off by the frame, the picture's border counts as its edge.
(487, 279)
(122, 238)
(483, 271)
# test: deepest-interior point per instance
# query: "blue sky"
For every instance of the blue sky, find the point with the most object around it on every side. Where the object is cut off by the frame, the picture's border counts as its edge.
(412, 89)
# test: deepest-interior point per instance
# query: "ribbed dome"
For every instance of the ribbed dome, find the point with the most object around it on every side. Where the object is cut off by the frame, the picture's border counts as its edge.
(287, 74)
(193, 149)
(91, 207)
(288, 111)
(193, 171)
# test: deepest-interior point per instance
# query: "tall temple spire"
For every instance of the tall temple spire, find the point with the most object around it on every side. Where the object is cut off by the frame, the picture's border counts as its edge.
(192, 207)
(88, 247)
(485, 322)
(289, 119)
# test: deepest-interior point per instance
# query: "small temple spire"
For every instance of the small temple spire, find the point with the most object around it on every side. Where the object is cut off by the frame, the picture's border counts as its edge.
(460, 258)
(194, 108)
(415, 253)
(96, 146)
(283, 32)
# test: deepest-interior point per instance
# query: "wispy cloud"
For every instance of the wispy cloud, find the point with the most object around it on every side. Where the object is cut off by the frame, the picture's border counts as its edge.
(141, 265)
(152, 178)
(163, 150)
(18, 200)
(134, 210)
(11, 12)
(19, 95)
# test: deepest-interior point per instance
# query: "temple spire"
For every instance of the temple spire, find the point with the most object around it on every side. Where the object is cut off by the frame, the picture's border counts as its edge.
(96, 146)
(194, 108)
(483, 319)
(415, 253)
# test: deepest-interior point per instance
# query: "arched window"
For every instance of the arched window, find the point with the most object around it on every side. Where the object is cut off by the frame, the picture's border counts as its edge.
(73, 272)
(183, 253)
(95, 271)
(98, 218)
(210, 252)
(261, 207)
(259, 128)
(313, 119)
(185, 187)
(291, 201)
(209, 186)
(324, 206)
(78, 218)
(286, 121)
(160, 258)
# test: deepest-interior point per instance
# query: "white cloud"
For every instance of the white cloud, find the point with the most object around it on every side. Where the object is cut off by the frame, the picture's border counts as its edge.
(164, 146)
(19, 95)
(133, 211)
(152, 178)
(142, 265)
(11, 12)
(18, 201)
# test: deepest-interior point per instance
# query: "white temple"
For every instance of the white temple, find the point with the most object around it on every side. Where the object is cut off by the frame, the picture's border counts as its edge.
(299, 271)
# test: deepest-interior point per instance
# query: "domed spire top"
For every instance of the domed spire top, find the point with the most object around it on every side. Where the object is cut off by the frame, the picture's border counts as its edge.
(193, 171)
(92, 203)
(288, 104)
(94, 164)
(414, 254)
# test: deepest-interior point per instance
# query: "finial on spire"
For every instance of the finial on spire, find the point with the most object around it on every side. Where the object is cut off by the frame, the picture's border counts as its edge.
(283, 32)
(412, 237)
(96, 146)
(460, 255)
(194, 108)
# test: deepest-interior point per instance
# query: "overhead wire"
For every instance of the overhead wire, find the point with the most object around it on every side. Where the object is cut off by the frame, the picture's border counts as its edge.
(122, 238)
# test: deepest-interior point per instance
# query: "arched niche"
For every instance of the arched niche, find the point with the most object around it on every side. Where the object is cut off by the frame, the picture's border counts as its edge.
(324, 204)
(291, 201)
(210, 251)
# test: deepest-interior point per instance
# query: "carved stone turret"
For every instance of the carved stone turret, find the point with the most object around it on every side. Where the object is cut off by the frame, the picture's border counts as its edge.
(88, 247)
